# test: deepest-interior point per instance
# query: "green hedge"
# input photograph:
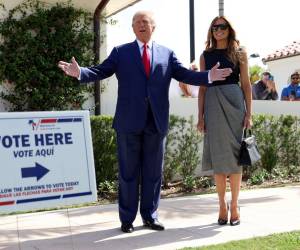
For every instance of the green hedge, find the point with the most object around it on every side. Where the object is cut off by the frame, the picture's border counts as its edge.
(105, 149)
(278, 141)
(182, 151)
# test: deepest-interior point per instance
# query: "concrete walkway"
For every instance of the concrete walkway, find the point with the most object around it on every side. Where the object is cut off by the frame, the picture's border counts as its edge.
(189, 221)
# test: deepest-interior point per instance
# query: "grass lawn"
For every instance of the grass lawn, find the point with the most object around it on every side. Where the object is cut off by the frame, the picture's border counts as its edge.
(283, 241)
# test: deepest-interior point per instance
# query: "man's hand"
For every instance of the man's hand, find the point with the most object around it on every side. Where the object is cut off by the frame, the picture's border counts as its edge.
(70, 69)
(219, 74)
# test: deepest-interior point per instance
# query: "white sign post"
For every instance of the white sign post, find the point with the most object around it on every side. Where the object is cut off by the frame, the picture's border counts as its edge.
(46, 160)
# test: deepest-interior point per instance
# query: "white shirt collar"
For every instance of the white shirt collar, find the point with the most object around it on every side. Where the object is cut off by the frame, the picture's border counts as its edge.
(141, 44)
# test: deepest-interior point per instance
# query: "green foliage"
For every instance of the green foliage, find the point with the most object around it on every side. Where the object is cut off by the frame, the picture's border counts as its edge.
(188, 150)
(105, 149)
(171, 157)
(108, 189)
(277, 138)
(258, 177)
(204, 182)
(255, 72)
(278, 141)
(189, 183)
(265, 128)
(182, 153)
(290, 138)
(33, 38)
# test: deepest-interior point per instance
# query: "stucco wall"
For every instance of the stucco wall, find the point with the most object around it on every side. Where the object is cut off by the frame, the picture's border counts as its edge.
(189, 106)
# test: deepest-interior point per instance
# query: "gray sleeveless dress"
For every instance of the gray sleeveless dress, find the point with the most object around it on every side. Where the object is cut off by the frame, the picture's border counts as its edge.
(224, 112)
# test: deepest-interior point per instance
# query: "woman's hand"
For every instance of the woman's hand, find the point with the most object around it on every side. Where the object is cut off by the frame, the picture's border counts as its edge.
(248, 121)
(201, 125)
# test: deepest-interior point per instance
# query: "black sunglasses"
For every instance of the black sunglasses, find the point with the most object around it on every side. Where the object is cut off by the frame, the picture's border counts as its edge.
(222, 26)
(295, 78)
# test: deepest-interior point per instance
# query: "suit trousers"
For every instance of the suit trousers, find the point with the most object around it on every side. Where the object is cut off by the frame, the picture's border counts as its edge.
(140, 158)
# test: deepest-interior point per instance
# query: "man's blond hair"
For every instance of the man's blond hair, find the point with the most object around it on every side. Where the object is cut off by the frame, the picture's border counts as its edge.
(147, 13)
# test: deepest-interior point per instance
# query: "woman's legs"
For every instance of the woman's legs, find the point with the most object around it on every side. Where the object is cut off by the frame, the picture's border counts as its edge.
(235, 185)
(220, 180)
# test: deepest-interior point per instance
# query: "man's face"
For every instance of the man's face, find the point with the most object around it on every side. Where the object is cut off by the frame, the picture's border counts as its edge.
(295, 79)
(143, 28)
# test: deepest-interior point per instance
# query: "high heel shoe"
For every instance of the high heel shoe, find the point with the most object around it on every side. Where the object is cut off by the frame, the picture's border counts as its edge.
(235, 221)
(223, 221)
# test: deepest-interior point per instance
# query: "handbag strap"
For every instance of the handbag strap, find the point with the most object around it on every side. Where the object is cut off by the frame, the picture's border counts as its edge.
(245, 132)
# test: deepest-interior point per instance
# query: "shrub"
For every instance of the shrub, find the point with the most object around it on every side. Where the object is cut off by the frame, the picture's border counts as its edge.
(278, 139)
(182, 153)
(258, 177)
(108, 190)
(188, 150)
(189, 183)
(171, 157)
(266, 131)
(105, 149)
(289, 139)
(34, 37)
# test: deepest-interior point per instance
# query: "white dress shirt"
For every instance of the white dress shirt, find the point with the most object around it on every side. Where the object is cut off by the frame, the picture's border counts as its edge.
(149, 49)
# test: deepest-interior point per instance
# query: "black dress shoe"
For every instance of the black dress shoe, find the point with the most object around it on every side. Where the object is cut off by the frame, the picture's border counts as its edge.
(154, 225)
(127, 228)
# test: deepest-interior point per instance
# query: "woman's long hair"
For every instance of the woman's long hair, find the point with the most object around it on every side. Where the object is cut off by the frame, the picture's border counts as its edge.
(233, 45)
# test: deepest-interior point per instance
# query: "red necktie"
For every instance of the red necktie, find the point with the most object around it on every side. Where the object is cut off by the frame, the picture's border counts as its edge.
(146, 60)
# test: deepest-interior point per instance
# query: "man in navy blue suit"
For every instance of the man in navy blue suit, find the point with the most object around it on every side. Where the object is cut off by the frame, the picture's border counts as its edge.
(144, 71)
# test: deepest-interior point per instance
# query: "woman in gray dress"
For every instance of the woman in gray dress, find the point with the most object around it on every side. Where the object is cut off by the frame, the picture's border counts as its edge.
(224, 111)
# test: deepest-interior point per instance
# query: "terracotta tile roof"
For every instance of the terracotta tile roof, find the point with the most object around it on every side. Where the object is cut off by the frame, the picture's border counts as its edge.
(288, 51)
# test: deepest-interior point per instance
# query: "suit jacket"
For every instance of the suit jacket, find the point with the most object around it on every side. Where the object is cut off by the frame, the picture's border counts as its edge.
(135, 90)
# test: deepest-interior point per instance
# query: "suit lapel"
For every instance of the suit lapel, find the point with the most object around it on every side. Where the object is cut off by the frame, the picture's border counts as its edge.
(138, 58)
(154, 57)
